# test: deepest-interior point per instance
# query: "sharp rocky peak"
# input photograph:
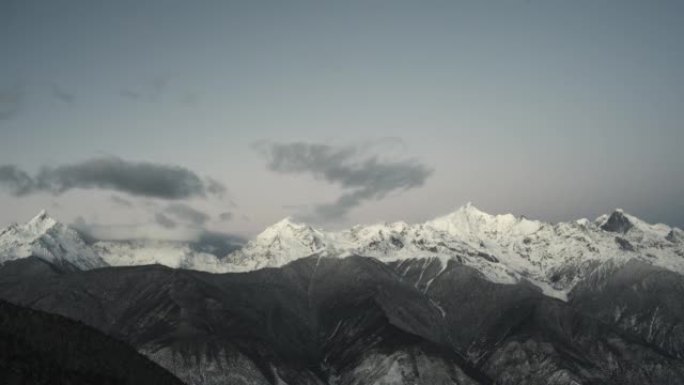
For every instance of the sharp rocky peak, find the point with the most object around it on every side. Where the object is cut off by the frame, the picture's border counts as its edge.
(675, 235)
(41, 216)
(47, 238)
(289, 222)
(617, 222)
(41, 222)
(468, 219)
(285, 227)
(471, 210)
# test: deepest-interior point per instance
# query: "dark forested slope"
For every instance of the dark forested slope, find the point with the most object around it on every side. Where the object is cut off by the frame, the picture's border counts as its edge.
(42, 348)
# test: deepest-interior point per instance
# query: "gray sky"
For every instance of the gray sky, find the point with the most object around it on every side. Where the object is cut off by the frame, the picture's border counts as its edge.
(339, 112)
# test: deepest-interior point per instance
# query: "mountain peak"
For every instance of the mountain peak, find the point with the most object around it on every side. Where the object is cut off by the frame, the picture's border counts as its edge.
(42, 215)
(470, 208)
(286, 227)
(281, 243)
(617, 222)
(468, 212)
(287, 221)
(46, 238)
(42, 222)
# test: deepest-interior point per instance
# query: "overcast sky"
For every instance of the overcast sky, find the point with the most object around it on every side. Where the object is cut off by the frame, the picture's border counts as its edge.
(230, 115)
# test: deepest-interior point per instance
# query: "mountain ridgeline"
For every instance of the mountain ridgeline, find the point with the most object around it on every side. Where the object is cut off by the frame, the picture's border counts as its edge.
(469, 298)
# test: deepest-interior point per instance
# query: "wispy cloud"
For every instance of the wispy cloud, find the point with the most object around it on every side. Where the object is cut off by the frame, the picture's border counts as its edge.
(362, 174)
(17, 181)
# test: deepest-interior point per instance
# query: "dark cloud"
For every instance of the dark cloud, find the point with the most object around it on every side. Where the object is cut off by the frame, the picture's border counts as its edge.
(187, 214)
(144, 179)
(219, 244)
(363, 175)
(15, 180)
(226, 216)
(119, 201)
(151, 180)
(164, 221)
(11, 100)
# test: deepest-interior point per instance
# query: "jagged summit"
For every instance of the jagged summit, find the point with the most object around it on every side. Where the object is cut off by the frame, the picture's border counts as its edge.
(469, 207)
(278, 244)
(46, 238)
(621, 222)
(287, 224)
(463, 214)
(617, 222)
(287, 221)
(676, 235)
(468, 220)
(41, 223)
(469, 210)
(42, 215)
(288, 233)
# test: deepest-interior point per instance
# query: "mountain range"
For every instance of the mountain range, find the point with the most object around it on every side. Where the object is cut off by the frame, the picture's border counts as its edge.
(504, 248)
(467, 298)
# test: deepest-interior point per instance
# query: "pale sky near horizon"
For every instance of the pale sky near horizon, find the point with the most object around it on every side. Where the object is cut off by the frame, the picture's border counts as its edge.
(340, 112)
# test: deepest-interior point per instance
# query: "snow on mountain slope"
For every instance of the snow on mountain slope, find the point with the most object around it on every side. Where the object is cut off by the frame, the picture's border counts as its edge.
(167, 253)
(48, 239)
(504, 248)
(278, 245)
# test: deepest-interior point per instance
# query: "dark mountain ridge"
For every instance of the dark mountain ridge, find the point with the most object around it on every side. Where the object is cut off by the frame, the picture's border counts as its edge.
(349, 321)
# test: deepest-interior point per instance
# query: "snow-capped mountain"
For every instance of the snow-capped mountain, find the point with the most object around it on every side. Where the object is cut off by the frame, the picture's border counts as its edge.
(504, 248)
(50, 240)
(46, 238)
(278, 245)
(454, 300)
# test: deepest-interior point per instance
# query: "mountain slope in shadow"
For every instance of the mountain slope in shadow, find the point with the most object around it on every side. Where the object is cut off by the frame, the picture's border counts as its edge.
(42, 348)
(347, 321)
